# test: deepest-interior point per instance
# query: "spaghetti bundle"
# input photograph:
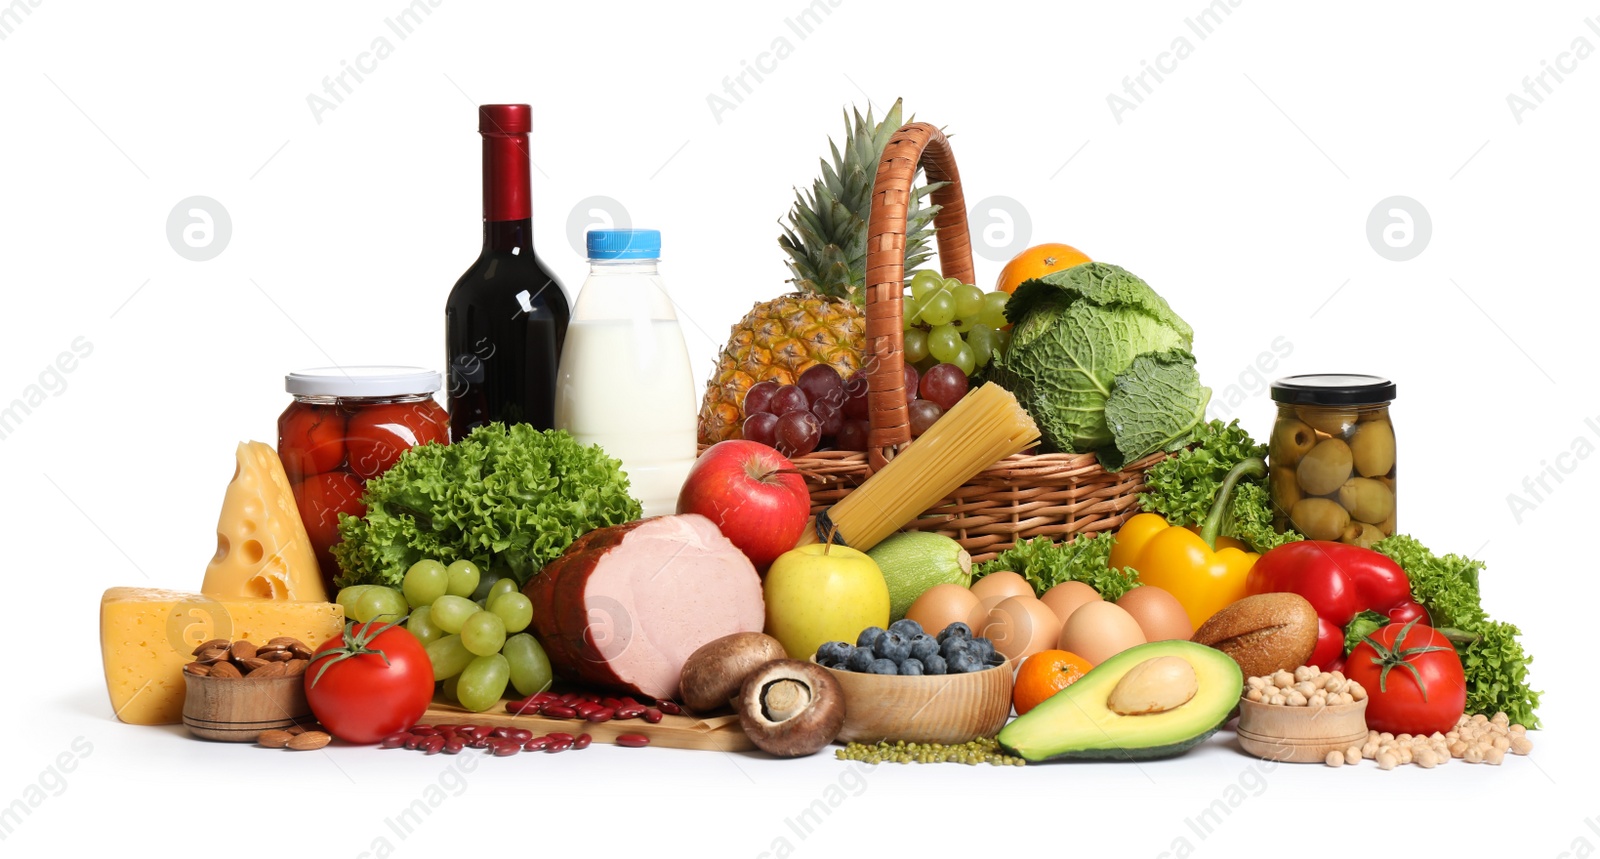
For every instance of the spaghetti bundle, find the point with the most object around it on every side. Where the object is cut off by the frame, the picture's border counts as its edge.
(987, 425)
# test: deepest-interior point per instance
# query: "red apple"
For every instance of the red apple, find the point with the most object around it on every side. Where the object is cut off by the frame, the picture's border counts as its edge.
(754, 495)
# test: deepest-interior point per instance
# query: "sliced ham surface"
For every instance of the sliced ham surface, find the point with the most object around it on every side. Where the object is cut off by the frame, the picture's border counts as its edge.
(624, 606)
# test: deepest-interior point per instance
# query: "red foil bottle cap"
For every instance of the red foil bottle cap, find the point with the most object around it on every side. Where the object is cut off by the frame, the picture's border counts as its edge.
(505, 119)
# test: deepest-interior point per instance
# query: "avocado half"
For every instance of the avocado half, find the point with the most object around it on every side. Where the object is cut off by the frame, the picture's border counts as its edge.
(1075, 723)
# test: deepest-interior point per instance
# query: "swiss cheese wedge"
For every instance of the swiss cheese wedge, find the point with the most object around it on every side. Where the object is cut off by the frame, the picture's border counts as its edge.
(146, 636)
(262, 548)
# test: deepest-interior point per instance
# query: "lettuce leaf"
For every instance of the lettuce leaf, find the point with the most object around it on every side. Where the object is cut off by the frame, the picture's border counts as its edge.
(1182, 488)
(1086, 558)
(510, 499)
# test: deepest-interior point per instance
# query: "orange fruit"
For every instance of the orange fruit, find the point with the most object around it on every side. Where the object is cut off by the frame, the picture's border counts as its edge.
(1044, 674)
(1038, 261)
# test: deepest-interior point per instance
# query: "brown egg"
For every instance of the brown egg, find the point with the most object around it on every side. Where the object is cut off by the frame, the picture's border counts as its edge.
(1159, 614)
(942, 605)
(1020, 627)
(1098, 631)
(1002, 584)
(1064, 599)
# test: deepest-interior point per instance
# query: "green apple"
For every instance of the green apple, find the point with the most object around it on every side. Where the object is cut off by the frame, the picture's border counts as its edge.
(821, 592)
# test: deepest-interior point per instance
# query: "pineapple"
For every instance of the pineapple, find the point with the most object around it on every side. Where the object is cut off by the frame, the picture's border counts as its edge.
(823, 321)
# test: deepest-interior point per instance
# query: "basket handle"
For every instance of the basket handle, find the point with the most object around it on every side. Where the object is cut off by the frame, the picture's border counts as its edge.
(915, 144)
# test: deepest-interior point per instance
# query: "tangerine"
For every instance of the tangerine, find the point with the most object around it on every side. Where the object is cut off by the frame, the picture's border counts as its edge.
(1038, 261)
(1044, 674)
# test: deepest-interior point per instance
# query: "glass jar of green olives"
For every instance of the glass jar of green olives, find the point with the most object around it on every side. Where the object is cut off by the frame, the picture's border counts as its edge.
(1332, 457)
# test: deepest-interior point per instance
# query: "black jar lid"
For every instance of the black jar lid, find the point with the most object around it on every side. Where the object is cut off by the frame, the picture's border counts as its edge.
(1332, 389)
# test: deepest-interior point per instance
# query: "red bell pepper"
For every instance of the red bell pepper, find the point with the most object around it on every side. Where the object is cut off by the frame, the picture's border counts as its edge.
(1340, 581)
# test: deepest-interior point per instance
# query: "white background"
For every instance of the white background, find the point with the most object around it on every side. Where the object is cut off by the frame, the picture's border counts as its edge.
(1240, 188)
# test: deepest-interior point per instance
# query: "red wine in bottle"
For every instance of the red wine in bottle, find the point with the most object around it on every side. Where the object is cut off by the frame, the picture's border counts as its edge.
(507, 316)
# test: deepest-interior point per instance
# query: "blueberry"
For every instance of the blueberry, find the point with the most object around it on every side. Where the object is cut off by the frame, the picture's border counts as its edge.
(955, 630)
(868, 636)
(995, 658)
(934, 665)
(912, 667)
(893, 646)
(833, 653)
(882, 666)
(980, 647)
(924, 645)
(964, 663)
(906, 627)
(952, 646)
(859, 659)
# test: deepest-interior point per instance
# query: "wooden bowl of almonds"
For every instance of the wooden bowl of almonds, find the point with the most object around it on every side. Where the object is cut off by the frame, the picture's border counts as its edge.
(235, 690)
(1301, 716)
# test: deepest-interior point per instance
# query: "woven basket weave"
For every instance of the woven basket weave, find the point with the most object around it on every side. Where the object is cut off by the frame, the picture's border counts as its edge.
(1020, 497)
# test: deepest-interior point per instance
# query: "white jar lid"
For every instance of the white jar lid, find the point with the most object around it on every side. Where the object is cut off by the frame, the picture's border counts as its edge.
(361, 381)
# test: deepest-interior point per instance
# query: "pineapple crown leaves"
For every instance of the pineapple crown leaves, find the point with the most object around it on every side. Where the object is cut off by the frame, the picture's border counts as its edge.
(826, 234)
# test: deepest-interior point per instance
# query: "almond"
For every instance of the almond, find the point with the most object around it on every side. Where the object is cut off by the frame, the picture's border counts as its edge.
(295, 667)
(308, 741)
(248, 666)
(215, 643)
(243, 650)
(268, 669)
(212, 654)
(225, 670)
(284, 641)
(197, 669)
(300, 651)
(274, 739)
(274, 653)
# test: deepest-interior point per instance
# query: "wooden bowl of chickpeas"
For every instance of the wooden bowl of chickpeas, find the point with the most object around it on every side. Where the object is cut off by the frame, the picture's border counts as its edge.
(1301, 716)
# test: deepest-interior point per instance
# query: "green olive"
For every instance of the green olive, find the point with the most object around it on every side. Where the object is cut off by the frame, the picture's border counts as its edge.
(1325, 468)
(1319, 518)
(1372, 447)
(1285, 490)
(1291, 439)
(1366, 499)
(1365, 535)
(1374, 413)
(1386, 527)
(1330, 421)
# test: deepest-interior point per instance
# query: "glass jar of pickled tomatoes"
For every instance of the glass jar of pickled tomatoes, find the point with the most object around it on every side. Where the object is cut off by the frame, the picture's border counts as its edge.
(346, 426)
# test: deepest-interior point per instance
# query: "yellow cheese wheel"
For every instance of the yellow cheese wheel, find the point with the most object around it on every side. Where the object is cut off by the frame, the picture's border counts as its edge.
(147, 635)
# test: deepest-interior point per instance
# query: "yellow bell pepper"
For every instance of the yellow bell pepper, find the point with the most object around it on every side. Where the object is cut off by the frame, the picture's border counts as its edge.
(1204, 571)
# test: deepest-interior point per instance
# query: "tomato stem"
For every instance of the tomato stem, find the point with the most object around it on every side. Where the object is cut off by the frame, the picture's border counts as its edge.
(1399, 655)
(356, 644)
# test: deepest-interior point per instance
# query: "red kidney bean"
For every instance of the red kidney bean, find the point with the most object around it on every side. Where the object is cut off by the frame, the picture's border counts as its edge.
(671, 708)
(537, 744)
(482, 743)
(652, 715)
(559, 737)
(501, 732)
(630, 711)
(570, 698)
(558, 746)
(632, 741)
(506, 749)
(481, 732)
(464, 730)
(394, 740)
(604, 714)
(521, 735)
(433, 745)
(584, 708)
(454, 745)
(424, 730)
(557, 711)
(414, 742)
(613, 703)
(581, 741)
(518, 708)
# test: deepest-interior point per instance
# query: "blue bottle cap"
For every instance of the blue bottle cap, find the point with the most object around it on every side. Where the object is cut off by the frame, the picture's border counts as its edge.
(624, 244)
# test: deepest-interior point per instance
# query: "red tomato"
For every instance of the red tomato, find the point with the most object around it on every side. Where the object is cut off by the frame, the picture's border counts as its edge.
(321, 498)
(310, 439)
(377, 435)
(359, 697)
(1413, 679)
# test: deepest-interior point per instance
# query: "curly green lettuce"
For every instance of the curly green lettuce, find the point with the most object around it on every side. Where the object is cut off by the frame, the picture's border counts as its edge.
(1086, 558)
(1496, 666)
(509, 499)
(1183, 487)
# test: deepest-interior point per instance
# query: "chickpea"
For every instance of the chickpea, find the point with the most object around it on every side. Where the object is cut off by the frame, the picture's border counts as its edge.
(1474, 755)
(1518, 729)
(1479, 719)
(1306, 672)
(1306, 688)
(1387, 761)
(1318, 699)
(1495, 756)
(1276, 700)
(1254, 695)
(1502, 743)
(1501, 719)
(1294, 699)
(1358, 692)
(1520, 744)
(1426, 759)
(1334, 684)
(1352, 756)
(1283, 679)
(1335, 759)
(1256, 682)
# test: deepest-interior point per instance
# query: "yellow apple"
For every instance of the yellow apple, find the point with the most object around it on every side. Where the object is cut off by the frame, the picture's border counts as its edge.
(821, 592)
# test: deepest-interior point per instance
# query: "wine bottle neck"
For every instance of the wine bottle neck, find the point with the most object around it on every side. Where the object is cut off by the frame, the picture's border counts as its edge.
(506, 193)
(508, 236)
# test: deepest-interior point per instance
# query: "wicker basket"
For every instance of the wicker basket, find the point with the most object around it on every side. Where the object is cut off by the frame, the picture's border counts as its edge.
(1020, 497)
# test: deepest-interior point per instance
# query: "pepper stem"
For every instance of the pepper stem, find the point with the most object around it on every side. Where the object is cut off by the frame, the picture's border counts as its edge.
(1255, 467)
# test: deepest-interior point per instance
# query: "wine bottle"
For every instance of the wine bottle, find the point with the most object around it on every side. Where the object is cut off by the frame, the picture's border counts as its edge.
(506, 318)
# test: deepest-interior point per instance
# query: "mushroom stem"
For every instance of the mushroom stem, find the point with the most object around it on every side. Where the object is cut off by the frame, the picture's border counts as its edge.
(782, 700)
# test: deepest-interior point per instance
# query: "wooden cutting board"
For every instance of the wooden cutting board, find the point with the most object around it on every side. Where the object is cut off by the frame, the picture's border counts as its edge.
(714, 733)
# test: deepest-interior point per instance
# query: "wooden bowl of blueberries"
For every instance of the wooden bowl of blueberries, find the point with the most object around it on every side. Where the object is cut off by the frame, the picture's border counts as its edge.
(904, 683)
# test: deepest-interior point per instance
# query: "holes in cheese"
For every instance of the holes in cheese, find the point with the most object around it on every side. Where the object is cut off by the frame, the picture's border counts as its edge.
(262, 547)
